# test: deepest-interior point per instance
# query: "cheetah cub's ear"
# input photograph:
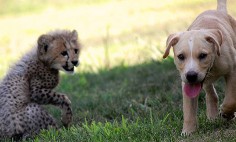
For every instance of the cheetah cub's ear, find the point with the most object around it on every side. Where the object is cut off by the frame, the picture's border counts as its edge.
(44, 43)
(74, 36)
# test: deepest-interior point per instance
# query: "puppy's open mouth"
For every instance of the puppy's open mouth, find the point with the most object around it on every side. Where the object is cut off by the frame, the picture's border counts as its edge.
(192, 90)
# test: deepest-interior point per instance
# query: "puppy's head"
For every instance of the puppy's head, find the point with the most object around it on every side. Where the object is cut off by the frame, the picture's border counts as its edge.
(194, 55)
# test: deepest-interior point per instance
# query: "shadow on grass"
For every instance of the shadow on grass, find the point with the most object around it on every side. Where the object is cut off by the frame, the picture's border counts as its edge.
(147, 96)
(124, 91)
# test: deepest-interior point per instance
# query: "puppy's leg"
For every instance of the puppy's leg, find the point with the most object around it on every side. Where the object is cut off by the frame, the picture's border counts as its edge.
(211, 101)
(228, 106)
(190, 106)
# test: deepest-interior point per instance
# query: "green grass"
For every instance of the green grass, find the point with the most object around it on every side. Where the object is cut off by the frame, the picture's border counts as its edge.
(123, 90)
(135, 103)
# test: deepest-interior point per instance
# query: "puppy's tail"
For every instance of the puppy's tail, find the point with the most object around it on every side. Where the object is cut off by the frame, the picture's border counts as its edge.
(221, 6)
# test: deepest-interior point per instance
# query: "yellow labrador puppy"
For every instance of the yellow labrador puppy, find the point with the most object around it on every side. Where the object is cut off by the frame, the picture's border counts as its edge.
(202, 54)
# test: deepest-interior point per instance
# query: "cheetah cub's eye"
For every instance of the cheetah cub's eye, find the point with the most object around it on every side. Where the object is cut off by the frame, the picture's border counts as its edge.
(64, 53)
(76, 51)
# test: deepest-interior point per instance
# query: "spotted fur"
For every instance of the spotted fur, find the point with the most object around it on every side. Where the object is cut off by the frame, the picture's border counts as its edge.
(30, 83)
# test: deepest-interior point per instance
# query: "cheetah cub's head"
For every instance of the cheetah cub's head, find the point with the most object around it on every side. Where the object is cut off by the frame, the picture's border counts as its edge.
(60, 50)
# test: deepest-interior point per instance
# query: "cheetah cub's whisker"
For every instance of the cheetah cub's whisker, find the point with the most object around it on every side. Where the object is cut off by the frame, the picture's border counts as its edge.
(30, 83)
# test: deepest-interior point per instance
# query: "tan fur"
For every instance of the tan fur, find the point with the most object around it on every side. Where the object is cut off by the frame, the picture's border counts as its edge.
(213, 33)
(30, 83)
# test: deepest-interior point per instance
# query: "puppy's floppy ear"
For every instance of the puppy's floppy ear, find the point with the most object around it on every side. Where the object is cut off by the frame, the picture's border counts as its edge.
(215, 37)
(171, 41)
(44, 42)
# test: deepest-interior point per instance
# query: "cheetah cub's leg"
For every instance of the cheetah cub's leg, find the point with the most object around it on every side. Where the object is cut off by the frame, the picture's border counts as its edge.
(36, 119)
(47, 96)
(29, 121)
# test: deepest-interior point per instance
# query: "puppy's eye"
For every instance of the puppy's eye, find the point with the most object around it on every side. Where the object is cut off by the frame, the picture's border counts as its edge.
(181, 57)
(202, 56)
(76, 51)
(64, 53)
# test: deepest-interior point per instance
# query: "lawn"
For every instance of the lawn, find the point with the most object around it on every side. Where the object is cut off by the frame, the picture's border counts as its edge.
(123, 90)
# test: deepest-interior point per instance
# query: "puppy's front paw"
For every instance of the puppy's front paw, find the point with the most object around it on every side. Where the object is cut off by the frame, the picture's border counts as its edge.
(188, 128)
(212, 113)
(187, 132)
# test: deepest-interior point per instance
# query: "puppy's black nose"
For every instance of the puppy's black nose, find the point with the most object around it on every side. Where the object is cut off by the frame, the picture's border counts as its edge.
(75, 63)
(191, 76)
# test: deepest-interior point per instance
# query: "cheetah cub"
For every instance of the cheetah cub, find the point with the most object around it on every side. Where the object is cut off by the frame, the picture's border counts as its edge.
(30, 83)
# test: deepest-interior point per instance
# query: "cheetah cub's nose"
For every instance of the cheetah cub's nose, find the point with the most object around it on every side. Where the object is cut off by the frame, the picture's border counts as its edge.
(75, 63)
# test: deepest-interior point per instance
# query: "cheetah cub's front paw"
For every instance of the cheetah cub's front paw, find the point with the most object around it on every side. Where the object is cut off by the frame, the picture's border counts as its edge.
(66, 118)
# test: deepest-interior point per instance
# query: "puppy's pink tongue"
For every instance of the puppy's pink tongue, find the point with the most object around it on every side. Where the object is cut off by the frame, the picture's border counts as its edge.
(192, 90)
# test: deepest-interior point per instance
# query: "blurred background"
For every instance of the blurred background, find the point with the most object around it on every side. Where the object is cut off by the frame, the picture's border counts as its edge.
(112, 32)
